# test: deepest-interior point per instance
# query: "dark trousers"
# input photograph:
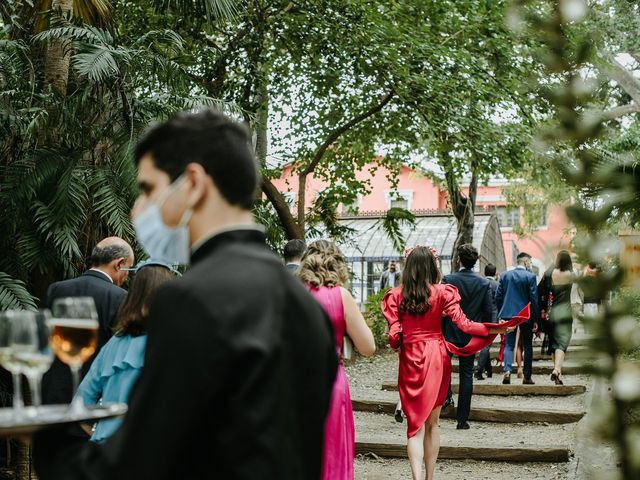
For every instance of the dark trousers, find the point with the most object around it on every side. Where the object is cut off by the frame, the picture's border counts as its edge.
(466, 387)
(484, 360)
(527, 349)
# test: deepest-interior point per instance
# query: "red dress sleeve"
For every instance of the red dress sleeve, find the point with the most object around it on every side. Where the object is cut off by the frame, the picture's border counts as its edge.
(451, 307)
(390, 309)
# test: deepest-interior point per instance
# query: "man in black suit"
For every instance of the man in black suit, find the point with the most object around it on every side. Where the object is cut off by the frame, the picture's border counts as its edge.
(109, 264)
(240, 359)
(477, 305)
(293, 252)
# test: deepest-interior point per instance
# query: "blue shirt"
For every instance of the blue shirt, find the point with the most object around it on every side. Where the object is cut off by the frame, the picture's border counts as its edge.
(111, 378)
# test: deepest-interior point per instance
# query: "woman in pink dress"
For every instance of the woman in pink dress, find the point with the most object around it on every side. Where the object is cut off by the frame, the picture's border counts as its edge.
(414, 312)
(325, 273)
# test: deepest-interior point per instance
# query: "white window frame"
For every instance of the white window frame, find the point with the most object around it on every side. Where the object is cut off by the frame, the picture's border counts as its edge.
(404, 194)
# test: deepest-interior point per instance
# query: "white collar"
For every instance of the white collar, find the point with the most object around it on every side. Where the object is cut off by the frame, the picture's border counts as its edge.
(103, 273)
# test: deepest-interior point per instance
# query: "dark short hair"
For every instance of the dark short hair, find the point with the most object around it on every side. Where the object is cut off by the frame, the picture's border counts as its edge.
(134, 310)
(212, 140)
(468, 255)
(490, 270)
(294, 249)
(104, 255)
(522, 255)
(563, 261)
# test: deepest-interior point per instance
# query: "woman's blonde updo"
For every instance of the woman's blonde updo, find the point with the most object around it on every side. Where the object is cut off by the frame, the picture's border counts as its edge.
(323, 265)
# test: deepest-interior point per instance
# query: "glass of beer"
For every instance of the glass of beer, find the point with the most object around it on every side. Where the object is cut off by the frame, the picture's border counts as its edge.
(74, 337)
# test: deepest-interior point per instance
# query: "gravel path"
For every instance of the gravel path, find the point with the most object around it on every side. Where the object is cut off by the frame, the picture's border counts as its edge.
(397, 469)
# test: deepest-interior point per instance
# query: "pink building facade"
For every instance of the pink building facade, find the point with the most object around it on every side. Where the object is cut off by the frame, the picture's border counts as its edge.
(417, 192)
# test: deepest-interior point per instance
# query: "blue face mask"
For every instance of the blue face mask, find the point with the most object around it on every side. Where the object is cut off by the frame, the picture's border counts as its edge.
(169, 244)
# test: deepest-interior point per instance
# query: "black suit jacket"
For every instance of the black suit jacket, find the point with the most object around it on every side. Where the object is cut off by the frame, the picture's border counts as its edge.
(238, 374)
(476, 303)
(57, 383)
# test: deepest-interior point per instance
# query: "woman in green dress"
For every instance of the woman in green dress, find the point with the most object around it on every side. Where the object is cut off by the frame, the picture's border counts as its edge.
(560, 315)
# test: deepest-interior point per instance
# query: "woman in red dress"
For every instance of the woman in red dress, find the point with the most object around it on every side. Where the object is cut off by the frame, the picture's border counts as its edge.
(414, 312)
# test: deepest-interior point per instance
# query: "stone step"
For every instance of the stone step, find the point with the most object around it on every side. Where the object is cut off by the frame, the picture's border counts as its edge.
(500, 415)
(539, 368)
(573, 352)
(525, 442)
(497, 454)
(513, 389)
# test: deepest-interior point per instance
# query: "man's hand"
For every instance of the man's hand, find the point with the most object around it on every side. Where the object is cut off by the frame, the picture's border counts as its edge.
(499, 329)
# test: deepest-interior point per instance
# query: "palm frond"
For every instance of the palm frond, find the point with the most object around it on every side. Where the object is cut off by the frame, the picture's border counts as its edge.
(14, 294)
(216, 10)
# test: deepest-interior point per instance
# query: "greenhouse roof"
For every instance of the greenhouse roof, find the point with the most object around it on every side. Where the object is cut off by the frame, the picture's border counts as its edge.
(369, 242)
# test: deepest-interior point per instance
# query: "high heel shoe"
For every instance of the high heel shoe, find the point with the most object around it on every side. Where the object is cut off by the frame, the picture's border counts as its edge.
(555, 377)
(520, 372)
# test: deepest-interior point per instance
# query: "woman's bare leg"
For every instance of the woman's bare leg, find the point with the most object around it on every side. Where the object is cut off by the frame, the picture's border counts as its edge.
(431, 442)
(558, 360)
(415, 449)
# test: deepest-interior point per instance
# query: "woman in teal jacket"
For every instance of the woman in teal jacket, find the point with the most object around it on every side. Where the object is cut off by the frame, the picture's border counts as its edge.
(118, 364)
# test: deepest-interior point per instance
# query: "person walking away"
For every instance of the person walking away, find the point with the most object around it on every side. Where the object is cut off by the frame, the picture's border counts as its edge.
(325, 273)
(560, 316)
(119, 363)
(109, 262)
(293, 252)
(477, 305)
(240, 359)
(414, 313)
(484, 357)
(516, 289)
(390, 277)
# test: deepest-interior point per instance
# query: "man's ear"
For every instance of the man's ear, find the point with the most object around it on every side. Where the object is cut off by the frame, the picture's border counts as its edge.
(118, 263)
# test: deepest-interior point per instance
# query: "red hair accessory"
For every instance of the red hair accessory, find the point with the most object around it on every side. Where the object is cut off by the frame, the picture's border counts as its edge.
(434, 252)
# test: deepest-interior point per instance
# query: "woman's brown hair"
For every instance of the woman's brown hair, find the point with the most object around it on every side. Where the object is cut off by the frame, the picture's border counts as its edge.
(134, 310)
(420, 272)
(323, 265)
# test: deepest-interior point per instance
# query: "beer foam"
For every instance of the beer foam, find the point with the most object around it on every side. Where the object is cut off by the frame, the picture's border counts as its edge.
(88, 323)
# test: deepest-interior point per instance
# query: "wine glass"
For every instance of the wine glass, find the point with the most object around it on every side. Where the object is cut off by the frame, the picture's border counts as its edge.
(74, 337)
(7, 360)
(30, 346)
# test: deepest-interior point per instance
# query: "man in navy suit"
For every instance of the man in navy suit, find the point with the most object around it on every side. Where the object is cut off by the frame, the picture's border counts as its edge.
(477, 304)
(293, 252)
(516, 289)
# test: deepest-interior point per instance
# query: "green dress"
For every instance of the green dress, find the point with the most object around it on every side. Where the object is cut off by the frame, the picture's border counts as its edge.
(561, 317)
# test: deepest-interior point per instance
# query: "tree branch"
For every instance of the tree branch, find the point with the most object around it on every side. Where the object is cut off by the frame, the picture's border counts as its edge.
(621, 111)
(336, 133)
(291, 228)
(623, 77)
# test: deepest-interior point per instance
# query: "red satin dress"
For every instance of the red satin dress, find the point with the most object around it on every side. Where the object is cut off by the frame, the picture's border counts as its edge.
(425, 366)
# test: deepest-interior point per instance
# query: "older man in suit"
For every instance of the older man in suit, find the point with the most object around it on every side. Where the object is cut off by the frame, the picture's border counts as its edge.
(240, 359)
(516, 289)
(477, 304)
(109, 261)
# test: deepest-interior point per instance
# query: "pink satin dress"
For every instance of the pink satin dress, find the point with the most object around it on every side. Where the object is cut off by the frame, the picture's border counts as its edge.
(425, 366)
(339, 428)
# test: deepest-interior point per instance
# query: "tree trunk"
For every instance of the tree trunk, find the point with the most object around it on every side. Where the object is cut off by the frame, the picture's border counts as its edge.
(463, 209)
(58, 55)
(291, 228)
